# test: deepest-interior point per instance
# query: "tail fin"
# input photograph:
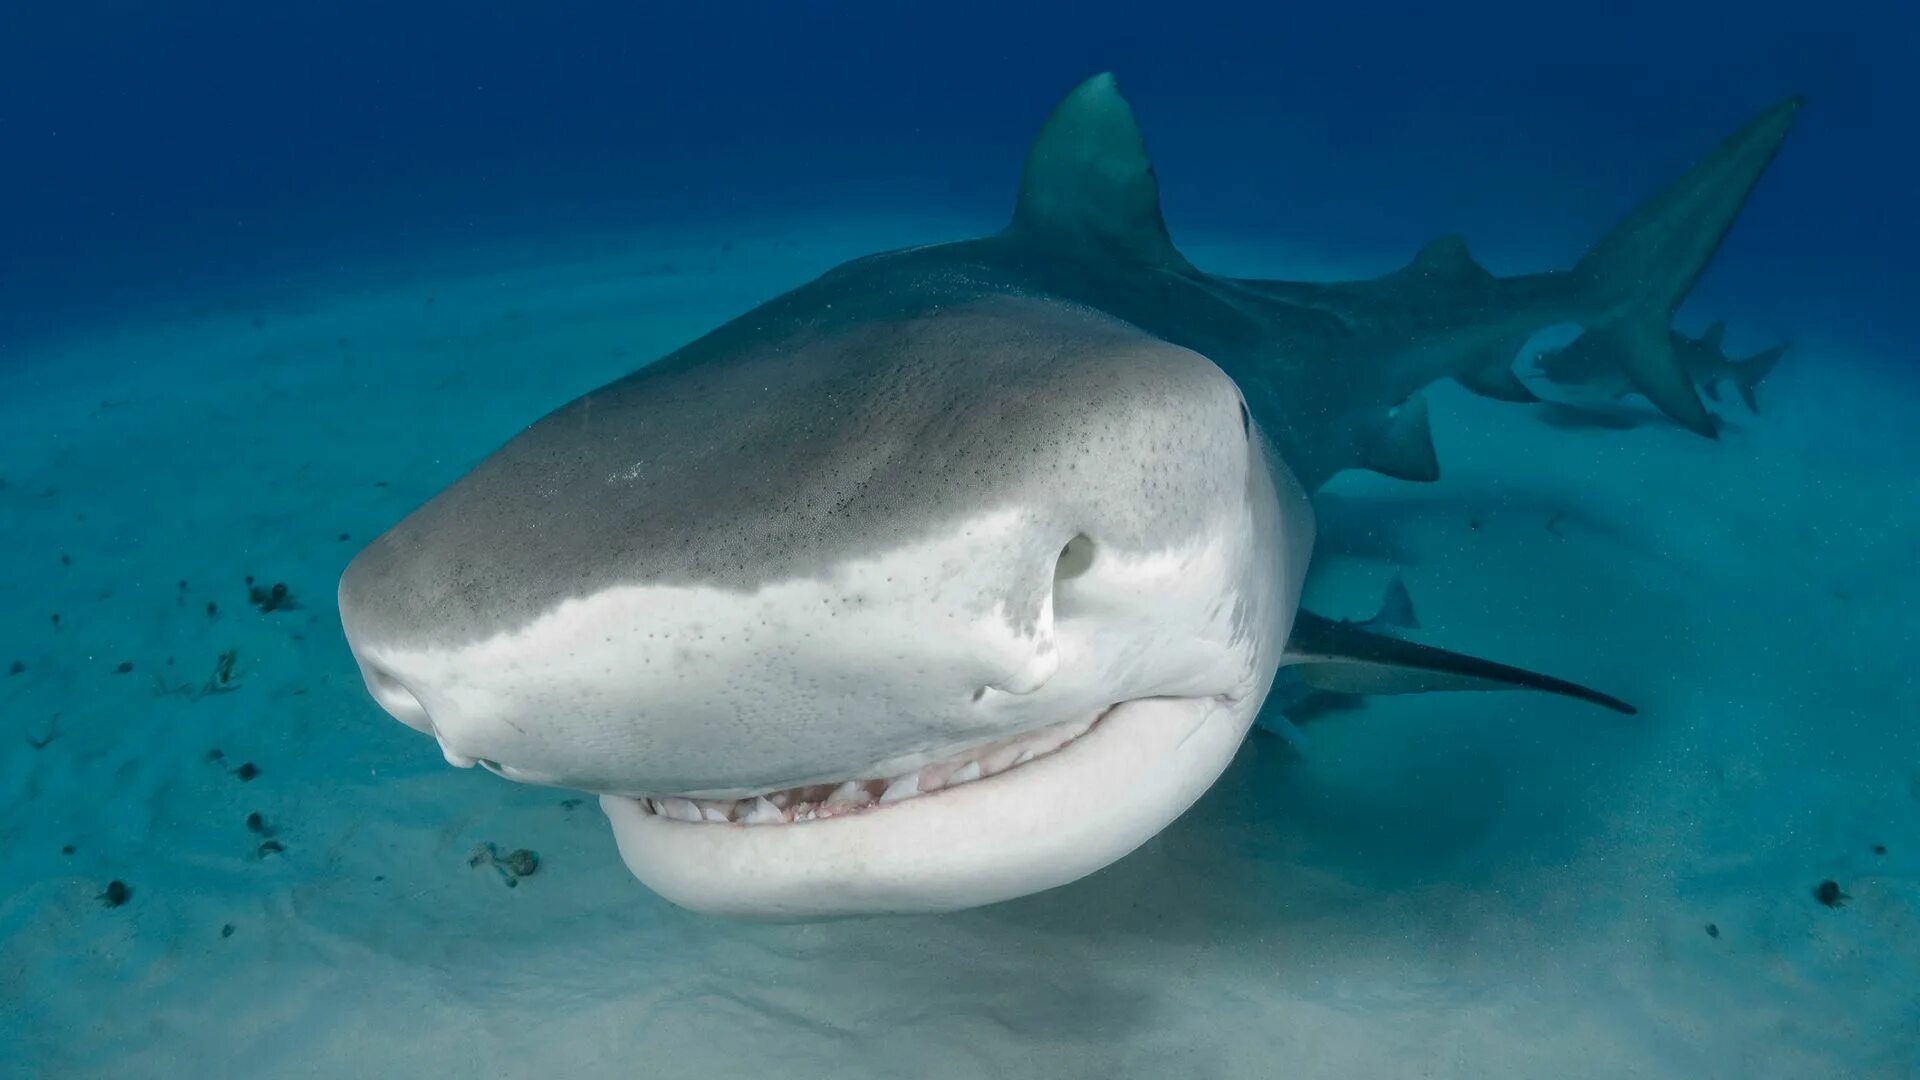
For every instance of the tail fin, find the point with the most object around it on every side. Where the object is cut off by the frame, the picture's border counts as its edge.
(1643, 268)
(1748, 373)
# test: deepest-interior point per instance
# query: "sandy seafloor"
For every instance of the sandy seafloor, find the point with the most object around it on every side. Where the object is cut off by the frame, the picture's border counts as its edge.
(1469, 885)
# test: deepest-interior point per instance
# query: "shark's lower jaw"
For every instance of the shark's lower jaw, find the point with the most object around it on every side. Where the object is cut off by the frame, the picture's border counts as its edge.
(1093, 796)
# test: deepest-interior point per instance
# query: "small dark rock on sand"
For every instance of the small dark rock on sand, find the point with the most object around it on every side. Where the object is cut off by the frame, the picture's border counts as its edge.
(276, 598)
(247, 771)
(1828, 893)
(117, 892)
(1713, 930)
(513, 866)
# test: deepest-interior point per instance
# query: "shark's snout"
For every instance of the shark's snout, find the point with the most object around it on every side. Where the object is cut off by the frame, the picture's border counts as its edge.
(692, 688)
(861, 553)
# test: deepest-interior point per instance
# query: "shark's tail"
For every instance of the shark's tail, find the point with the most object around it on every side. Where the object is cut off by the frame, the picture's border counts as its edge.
(1641, 270)
(1748, 373)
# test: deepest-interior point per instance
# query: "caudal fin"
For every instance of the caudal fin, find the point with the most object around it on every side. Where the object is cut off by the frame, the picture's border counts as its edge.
(1748, 373)
(1644, 267)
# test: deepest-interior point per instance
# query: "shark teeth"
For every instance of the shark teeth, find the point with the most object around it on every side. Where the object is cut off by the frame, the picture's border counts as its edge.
(762, 812)
(848, 794)
(814, 802)
(678, 809)
(902, 787)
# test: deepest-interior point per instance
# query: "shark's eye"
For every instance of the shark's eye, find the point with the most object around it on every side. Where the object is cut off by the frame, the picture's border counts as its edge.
(1246, 420)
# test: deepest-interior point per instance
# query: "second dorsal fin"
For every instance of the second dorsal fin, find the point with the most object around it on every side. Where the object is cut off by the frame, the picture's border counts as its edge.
(1445, 257)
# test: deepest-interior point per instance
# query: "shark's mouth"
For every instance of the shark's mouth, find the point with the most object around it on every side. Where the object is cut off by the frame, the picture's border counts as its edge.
(997, 821)
(816, 802)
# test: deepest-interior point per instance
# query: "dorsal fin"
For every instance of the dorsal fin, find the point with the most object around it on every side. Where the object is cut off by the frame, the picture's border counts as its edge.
(1403, 445)
(1088, 185)
(1446, 257)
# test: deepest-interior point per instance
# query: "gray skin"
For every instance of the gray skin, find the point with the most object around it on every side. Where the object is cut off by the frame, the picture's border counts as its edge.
(1704, 360)
(897, 395)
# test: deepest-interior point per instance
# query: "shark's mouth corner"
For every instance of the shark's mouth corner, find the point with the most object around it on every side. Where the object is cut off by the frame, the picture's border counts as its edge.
(1001, 820)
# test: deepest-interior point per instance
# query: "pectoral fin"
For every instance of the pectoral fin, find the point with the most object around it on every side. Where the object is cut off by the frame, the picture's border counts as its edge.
(1344, 658)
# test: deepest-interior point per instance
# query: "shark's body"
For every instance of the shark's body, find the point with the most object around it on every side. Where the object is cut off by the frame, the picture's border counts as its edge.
(1703, 359)
(959, 572)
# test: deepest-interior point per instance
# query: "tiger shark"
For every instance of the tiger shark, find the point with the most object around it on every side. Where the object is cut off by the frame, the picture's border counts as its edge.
(961, 571)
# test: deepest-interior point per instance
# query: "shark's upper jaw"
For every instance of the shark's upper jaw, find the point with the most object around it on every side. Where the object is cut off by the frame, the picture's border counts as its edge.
(889, 785)
(881, 666)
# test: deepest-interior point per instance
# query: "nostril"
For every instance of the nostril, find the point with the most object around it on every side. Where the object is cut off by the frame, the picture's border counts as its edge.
(394, 697)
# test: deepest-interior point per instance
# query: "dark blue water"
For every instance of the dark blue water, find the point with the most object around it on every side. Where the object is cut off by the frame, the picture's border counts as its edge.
(203, 144)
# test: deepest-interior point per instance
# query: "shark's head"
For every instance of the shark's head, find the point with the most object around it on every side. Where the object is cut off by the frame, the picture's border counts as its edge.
(857, 605)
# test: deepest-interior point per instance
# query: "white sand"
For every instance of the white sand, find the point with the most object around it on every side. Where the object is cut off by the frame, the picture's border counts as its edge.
(1467, 885)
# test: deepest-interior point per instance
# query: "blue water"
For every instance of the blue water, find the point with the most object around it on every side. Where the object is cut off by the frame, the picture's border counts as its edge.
(210, 142)
(272, 277)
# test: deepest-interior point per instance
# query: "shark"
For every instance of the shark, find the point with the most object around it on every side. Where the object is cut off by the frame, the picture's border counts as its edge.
(960, 572)
(1703, 359)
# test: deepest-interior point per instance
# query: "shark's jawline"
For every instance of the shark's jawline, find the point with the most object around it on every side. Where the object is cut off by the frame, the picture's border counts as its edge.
(863, 792)
(1044, 824)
